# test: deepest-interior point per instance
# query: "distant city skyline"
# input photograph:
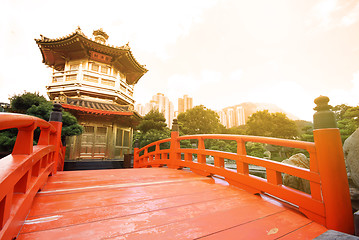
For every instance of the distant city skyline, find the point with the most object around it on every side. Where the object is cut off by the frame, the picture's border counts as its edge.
(161, 103)
(230, 116)
(184, 103)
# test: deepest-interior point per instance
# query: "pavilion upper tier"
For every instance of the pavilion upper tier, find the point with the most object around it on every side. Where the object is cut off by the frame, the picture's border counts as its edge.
(56, 52)
(89, 69)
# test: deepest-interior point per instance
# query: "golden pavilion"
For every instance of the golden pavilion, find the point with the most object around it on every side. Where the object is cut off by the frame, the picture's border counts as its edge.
(95, 82)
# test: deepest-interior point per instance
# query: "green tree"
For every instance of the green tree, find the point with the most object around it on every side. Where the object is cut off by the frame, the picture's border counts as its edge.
(237, 130)
(347, 118)
(223, 145)
(40, 108)
(151, 136)
(152, 120)
(255, 149)
(263, 123)
(307, 134)
(7, 140)
(199, 120)
(152, 128)
(70, 126)
(22, 102)
(305, 130)
(340, 110)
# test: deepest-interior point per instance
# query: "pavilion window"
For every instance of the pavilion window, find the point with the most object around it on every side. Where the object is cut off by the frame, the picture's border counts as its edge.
(90, 79)
(108, 82)
(71, 77)
(57, 79)
(95, 67)
(105, 69)
(74, 67)
(119, 135)
(126, 139)
(88, 136)
(101, 134)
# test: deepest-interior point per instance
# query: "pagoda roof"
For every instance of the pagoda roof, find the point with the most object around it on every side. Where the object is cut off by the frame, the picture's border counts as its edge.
(77, 45)
(100, 108)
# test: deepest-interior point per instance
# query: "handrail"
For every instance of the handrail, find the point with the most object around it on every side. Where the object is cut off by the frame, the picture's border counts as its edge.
(26, 169)
(15, 120)
(311, 204)
(324, 190)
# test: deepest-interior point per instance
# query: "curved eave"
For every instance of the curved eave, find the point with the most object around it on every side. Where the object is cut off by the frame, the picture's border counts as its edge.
(57, 50)
(139, 70)
(96, 111)
(137, 117)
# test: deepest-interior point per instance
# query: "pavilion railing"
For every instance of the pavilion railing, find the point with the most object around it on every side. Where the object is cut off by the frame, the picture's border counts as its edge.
(24, 172)
(328, 202)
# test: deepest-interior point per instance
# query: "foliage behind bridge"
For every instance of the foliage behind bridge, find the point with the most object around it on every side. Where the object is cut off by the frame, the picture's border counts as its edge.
(36, 105)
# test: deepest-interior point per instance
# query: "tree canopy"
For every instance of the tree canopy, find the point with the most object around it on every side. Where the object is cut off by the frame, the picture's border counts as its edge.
(152, 128)
(20, 103)
(199, 120)
(36, 105)
(278, 125)
(347, 118)
(152, 120)
(70, 126)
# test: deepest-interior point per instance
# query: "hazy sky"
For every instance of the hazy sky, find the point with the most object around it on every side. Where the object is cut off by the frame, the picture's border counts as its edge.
(220, 52)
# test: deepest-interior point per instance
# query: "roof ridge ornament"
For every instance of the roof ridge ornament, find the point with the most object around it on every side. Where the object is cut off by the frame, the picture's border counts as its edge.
(78, 30)
(42, 38)
(127, 46)
(100, 36)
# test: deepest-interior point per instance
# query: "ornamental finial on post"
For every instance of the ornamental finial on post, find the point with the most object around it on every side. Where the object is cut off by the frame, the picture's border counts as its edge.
(136, 144)
(56, 114)
(175, 125)
(324, 117)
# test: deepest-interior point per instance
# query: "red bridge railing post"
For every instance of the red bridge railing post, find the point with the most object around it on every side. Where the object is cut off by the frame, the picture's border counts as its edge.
(55, 139)
(136, 154)
(24, 140)
(331, 165)
(174, 145)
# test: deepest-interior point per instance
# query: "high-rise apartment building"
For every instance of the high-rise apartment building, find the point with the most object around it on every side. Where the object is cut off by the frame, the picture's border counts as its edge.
(140, 109)
(184, 104)
(162, 104)
(232, 116)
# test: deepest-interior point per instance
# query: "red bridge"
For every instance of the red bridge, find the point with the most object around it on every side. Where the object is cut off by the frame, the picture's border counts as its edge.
(171, 193)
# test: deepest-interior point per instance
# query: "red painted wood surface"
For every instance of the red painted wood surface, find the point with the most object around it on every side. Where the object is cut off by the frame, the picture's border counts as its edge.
(328, 202)
(25, 171)
(157, 203)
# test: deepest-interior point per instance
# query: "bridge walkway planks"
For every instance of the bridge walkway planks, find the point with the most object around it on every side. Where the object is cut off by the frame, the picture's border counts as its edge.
(157, 203)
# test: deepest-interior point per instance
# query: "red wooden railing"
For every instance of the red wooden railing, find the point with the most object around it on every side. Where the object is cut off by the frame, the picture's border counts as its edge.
(26, 170)
(329, 202)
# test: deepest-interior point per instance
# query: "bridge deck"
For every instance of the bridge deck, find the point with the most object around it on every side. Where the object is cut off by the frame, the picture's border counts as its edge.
(157, 203)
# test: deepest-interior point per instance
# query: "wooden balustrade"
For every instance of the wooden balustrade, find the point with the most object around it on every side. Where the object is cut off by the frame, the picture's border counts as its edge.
(313, 205)
(26, 170)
